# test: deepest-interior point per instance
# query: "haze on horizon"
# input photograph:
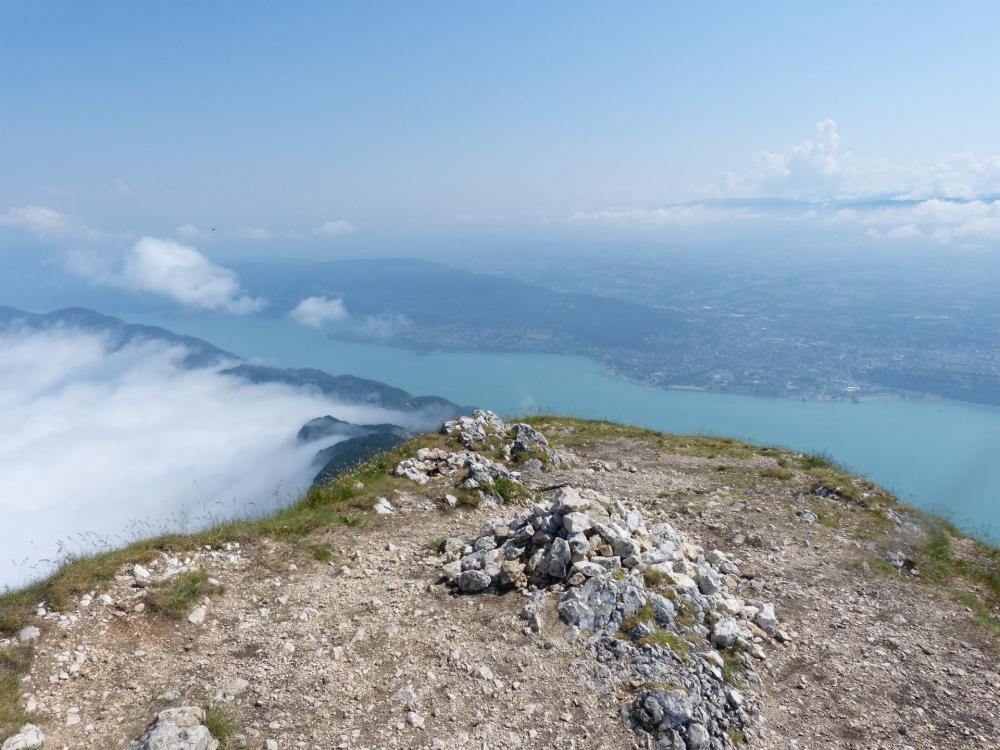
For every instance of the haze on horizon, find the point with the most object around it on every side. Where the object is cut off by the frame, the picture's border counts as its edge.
(398, 128)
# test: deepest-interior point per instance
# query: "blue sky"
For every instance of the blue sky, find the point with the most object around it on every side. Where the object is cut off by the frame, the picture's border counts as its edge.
(379, 122)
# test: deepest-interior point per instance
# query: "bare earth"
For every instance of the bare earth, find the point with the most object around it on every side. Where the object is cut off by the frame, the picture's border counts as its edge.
(875, 660)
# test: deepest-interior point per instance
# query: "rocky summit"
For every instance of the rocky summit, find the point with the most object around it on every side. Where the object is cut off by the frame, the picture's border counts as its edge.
(551, 583)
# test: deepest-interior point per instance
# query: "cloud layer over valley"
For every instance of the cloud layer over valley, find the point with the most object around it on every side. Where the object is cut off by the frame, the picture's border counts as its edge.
(103, 445)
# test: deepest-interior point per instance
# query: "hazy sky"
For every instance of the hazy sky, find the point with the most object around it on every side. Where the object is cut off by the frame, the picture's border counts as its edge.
(321, 123)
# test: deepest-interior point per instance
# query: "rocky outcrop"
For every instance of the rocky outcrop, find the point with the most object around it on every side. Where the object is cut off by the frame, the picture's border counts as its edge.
(177, 729)
(468, 469)
(485, 430)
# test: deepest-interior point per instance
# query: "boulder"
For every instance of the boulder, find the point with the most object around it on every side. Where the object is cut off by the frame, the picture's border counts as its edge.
(29, 737)
(176, 729)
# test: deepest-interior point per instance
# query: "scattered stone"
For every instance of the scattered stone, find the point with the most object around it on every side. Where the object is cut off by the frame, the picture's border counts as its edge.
(383, 507)
(143, 577)
(482, 672)
(725, 633)
(198, 614)
(28, 634)
(231, 690)
(415, 720)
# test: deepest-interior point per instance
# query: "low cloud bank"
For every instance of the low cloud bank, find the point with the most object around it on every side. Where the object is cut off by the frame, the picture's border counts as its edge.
(102, 446)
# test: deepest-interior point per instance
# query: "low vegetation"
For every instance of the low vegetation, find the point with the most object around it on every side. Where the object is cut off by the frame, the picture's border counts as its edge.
(176, 598)
(14, 662)
(665, 638)
(507, 489)
(221, 725)
(320, 552)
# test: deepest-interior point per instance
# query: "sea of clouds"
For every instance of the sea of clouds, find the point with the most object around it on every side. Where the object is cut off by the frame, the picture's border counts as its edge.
(100, 446)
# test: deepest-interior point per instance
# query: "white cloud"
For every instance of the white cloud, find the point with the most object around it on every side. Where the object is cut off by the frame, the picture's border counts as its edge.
(318, 311)
(820, 169)
(949, 199)
(47, 224)
(336, 228)
(176, 271)
(947, 221)
(111, 444)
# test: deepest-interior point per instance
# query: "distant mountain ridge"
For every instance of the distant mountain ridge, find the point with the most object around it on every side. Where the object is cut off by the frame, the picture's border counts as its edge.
(341, 445)
(120, 334)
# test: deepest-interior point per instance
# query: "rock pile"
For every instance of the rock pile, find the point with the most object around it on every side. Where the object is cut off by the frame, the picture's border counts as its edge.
(177, 729)
(485, 430)
(662, 611)
(473, 470)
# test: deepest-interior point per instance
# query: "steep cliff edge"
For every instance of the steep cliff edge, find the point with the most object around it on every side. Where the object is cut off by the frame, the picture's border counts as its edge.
(571, 584)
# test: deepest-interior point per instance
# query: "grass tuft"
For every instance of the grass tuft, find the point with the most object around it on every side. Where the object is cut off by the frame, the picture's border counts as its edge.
(776, 472)
(176, 599)
(320, 552)
(668, 640)
(220, 725)
(507, 489)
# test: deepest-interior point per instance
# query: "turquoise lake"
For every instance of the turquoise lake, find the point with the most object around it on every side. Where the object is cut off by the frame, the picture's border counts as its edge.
(940, 455)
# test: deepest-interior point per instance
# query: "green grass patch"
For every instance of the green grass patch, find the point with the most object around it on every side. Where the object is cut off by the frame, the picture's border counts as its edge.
(827, 519)
(733, 669)
(435, 544)
(508, 489)
(664, 638)
(536, 452)
(777, 472)
(221, 725)
(176, 598)
(981, 613)
(645, 614)
(654, 578)
(320, 552)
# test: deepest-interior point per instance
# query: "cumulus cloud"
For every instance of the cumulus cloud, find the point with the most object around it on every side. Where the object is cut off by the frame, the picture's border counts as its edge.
(336, 228)
(318, 311)
(821, 169)
(946, 221)
(173, 270)
(47, 224)
(101, 445)
(946, 199)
